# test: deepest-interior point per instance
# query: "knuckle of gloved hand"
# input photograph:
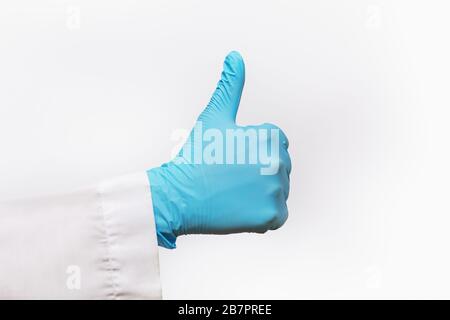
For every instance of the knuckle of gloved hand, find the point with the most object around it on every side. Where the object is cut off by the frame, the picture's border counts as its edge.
(279, 222)
(282, 165)
(288, 164)
(275, 167)
(267, 219)
(272, 217)
(274, 186)
(284, 141)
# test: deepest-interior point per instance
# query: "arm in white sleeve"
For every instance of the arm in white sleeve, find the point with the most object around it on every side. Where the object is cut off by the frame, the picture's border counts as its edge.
(94, 243)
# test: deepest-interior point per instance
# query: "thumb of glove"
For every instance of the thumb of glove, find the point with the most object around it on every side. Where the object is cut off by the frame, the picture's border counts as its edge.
(225, 100)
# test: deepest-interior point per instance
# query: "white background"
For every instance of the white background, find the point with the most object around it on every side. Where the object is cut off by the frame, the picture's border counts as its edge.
(93, 89)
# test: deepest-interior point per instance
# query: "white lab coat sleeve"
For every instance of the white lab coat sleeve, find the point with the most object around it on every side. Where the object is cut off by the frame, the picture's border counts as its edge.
(94, 243)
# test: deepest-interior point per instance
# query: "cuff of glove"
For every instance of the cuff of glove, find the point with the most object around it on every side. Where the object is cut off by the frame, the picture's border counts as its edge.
(162, 209)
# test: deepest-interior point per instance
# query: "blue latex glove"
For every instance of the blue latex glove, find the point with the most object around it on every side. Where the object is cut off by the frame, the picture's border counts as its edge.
(228, 196)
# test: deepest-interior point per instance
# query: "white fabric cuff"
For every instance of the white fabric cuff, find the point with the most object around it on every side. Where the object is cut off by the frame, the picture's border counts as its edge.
(132, 260)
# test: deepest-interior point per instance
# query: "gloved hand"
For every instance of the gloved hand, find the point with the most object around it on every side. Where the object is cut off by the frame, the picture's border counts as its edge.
(219, 184)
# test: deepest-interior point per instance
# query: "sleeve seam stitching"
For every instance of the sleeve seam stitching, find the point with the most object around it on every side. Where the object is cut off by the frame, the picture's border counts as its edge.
(111, 269)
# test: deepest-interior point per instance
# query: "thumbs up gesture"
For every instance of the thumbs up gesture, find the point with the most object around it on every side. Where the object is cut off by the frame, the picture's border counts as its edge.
(226, 178)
